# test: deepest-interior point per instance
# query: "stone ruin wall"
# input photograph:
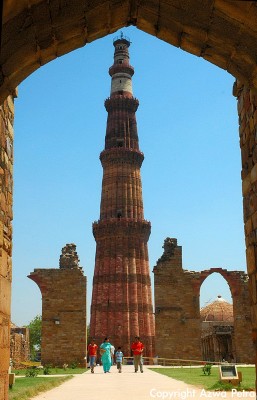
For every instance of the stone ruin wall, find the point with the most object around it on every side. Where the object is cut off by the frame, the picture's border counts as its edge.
(19, 346)
(242, 318)
(177, 314)
(177, 310)
(64, 327)
(238, 283)
(6, 184)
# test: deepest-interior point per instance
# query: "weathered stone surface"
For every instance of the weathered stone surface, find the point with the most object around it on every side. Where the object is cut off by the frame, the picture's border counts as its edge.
(69, 257)
(247, 110)
(6, 160)
(19, 346)
(63, 310)
(38, 32)
(177, 311)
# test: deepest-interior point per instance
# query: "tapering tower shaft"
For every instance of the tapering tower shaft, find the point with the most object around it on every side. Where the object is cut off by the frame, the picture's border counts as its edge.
(122, 301)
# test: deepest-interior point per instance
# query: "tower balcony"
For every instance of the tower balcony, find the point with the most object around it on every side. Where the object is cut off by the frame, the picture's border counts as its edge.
(121, 68)
(121, 102)
(121, 155)
(121, 227)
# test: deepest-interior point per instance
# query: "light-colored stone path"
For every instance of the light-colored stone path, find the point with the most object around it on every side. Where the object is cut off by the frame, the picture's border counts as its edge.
(129, 386)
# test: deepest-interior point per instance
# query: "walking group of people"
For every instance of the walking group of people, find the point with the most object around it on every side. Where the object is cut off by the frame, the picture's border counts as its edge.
(108, 355)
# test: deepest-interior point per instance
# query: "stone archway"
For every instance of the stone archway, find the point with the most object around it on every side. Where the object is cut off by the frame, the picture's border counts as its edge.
(177, 313)
(36, 32)
(238, 284)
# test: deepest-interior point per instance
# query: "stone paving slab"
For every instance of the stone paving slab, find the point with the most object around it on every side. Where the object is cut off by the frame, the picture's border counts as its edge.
(129, 386)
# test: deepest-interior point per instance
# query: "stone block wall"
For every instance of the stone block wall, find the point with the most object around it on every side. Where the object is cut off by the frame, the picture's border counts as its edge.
(242, 319)
(177, 311)
(64, 329)
(247, 111)
(19, 346)
(6, 184)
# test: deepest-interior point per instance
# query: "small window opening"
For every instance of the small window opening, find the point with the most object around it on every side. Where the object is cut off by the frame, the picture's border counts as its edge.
(119, 214)
(119, 143)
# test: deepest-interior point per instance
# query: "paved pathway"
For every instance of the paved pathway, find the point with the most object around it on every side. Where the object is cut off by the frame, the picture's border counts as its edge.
(129, 386)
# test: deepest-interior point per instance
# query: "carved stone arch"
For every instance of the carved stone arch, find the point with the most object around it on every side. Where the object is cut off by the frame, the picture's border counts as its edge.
(223, 272)
(238, 284)
(38, 31)
(177, 293)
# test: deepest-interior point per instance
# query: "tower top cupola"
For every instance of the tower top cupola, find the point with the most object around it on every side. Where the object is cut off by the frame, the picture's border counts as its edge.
(120, 40)
(121, 71)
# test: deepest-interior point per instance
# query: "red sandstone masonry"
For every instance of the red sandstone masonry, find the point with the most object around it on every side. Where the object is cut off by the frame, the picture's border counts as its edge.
(121, 301)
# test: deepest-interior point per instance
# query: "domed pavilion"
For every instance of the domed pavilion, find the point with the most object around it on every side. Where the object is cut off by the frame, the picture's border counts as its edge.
(217, 335)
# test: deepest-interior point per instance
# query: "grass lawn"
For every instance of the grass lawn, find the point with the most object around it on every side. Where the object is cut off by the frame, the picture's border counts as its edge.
(195, 376)
(25, 388)
(53, 371)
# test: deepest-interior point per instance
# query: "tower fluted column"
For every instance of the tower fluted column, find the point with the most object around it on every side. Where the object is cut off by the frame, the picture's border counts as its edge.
(121, 300)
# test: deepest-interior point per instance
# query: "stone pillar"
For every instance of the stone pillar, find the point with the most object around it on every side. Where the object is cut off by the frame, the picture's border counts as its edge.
(19, 345)
(6, 182)
(242, 317)
(247, 111)
(64, 326)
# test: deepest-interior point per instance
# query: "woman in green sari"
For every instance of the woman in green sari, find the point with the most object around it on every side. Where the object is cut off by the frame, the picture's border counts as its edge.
(105, 351)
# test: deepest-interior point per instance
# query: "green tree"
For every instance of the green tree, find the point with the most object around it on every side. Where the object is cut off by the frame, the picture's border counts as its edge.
(35, 327)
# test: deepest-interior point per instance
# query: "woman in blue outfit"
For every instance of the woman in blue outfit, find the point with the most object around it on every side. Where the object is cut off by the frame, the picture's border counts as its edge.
(105, 351)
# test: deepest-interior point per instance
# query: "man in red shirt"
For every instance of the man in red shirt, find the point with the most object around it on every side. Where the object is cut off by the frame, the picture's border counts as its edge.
(137, 348)
(92, 353)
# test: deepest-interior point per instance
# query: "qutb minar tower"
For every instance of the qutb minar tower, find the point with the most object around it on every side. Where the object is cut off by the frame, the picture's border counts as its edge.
(122, 300)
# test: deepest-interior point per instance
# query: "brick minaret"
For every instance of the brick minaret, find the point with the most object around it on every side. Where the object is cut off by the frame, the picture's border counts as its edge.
(122, 299)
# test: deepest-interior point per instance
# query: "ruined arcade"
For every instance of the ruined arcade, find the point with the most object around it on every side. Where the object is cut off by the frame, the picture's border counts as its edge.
(177, 308)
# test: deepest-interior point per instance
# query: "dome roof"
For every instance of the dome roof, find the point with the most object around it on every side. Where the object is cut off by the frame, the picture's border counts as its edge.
(218, 310)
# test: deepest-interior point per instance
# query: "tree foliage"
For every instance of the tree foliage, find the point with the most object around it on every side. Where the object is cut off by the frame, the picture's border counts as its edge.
(35, 327)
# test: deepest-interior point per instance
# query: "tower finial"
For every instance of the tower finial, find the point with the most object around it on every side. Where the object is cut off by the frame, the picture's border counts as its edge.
(123, 38)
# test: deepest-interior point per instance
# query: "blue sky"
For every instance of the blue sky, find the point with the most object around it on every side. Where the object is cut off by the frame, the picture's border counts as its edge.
(188, 130)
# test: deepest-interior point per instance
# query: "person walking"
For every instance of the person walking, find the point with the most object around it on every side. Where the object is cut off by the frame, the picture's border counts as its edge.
(119, 358)
(137, 348)
(92, 354)
(105, 351)
(112, 353)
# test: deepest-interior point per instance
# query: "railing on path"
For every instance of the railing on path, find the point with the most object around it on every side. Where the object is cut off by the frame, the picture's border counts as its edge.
(173, 362)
